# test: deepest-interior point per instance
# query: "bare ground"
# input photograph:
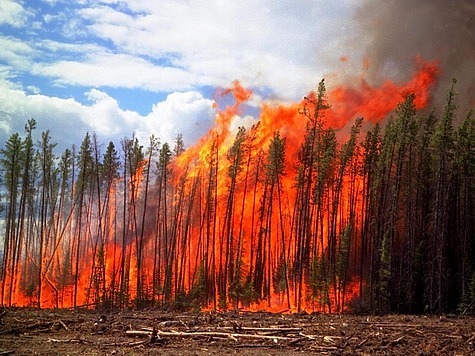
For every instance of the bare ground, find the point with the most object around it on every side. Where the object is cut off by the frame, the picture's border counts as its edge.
(152, 332)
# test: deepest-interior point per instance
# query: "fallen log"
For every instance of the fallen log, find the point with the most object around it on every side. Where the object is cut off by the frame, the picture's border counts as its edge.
(391, 325)
(63, 325)
(362, 343)
(192, 334)
(396, 341)
(128, 344)
(24, 328)
(323, 348)
(79, 341)
(246, 328)
(269, 329)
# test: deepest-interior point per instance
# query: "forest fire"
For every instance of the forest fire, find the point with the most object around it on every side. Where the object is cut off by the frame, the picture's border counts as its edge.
(272, 217)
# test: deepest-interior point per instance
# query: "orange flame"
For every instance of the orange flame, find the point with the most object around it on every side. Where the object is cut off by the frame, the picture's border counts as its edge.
(216, 222)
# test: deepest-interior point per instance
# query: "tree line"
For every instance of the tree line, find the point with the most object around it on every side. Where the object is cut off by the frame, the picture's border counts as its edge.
(378, 220)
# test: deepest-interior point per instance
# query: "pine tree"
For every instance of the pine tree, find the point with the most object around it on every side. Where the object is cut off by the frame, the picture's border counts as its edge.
(371, 147)
(46, 158)
(232, 274)
(12, 163)
(443, 145)
(110, 177)
(151, 151)
(85, 164)
(303, 212)
(25, 194)
(464, 248)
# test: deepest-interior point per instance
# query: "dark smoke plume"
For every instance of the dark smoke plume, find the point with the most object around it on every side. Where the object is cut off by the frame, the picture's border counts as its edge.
(442, 30)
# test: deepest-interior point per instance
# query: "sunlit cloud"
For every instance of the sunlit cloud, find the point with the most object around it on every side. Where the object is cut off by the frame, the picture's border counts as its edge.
(66, 63)
(188, 113)
(13, 13)
(117, 70)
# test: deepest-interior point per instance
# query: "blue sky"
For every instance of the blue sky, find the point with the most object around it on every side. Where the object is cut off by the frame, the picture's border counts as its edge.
(152, 67)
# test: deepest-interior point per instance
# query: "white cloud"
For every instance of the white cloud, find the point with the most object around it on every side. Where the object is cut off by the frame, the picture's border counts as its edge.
(188, 113)
(16, 53)
(104, 115)
(33, 89)
(170, 45)
(12, 13)
(60, 116)
(59, 49)
(280, 47)
(117, 70)
(51, 2)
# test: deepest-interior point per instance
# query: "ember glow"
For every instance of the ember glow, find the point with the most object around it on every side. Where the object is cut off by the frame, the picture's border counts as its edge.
(226, 223)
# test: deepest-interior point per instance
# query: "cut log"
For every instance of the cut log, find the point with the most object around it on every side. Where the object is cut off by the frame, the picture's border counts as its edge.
(79, 341)
(192, 334)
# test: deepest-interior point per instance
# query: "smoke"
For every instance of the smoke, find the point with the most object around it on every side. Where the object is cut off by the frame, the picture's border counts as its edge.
(398, 31)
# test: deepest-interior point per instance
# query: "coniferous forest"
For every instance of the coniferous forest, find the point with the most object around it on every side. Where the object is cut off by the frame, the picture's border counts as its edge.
(305, 210)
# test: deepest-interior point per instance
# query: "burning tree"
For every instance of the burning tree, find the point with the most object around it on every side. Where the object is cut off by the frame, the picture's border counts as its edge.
(349, 196)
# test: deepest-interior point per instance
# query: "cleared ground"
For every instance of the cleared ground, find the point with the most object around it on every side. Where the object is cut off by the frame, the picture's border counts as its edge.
(152, 332)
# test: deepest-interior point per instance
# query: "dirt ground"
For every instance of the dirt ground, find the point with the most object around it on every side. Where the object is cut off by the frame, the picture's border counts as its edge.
(152, 332)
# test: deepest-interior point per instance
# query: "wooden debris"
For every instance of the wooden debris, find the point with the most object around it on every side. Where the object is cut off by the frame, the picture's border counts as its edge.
(9, 352)
(127, 344)
(392, 325)
(138, 332)
(471, 338)
(396, 341)
(362, 342)
(63, 325)
(38, 326)
(217, 334)
(152, 338)
(253, 345)
(79, 341)
(324, 348)
(296, 341)
(269, 329)
(169, 323)
(311, 337)
(452, 336)
(68, 332)
(331, 339)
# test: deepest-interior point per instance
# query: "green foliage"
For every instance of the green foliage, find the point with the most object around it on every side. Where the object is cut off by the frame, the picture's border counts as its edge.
(467, 304)
(65, 276)
(348, 150)
(98, 276)
(443, 135)
(85, 164)
(241, 290)
(343, 255)
(276, 158)
(396, 210)
(110, 164)
(465, 145)
(326, 153)
(279, 281)
(198, 292)
(384, 274)
(235, 154)
(136, 155)
(179, 146)
(318, 283)
(164, 158)
(11, 162)
(319, 104)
